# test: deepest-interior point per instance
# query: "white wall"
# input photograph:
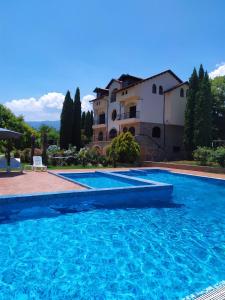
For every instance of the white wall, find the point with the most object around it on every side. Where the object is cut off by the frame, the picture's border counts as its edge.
(151, 105)
(112, 106)
(175, 106)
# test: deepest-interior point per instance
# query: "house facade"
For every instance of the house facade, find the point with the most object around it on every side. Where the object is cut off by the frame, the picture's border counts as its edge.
(152, 109)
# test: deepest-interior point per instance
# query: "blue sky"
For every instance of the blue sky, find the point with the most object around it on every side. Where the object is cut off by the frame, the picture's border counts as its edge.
(48, 47)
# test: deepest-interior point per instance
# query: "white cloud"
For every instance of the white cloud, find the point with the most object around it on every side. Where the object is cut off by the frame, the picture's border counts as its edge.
(219, 71)
(85, 104)
(46, 108)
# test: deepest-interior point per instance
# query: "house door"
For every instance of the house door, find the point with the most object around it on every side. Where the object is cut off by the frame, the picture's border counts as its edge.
(133, 111)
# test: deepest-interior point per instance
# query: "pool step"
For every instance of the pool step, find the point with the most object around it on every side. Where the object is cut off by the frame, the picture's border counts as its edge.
(215, 294)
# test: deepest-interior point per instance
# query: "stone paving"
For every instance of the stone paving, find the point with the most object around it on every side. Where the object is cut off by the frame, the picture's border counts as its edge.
(38, 182)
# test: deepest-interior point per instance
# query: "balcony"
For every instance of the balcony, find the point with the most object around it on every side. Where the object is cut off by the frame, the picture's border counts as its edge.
(129, 117)
(99, 122)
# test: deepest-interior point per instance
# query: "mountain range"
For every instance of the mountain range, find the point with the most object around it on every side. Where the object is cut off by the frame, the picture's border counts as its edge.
(37, 124)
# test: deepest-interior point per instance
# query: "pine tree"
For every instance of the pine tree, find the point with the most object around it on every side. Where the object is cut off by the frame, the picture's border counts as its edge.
(66, 122)
(76, 132)
(83, 117)
(203, 113)
(190, 112)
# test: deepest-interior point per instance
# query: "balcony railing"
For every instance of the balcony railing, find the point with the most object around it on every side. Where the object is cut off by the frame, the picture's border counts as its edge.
(129, 115)
(99, 122)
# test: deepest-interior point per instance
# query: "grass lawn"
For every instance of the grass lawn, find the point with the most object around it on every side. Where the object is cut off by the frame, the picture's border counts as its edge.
(89, 167)
(193, 163)
(76, 167)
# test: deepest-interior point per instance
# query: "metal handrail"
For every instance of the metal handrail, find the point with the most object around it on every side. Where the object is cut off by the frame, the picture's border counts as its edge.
(129, 115)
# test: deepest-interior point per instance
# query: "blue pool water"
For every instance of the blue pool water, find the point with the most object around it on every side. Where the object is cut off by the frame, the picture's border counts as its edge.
(101, 180)
(148, 253)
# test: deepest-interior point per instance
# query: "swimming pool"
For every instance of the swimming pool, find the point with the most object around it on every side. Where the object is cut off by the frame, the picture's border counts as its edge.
(101, 180)
(136, 253)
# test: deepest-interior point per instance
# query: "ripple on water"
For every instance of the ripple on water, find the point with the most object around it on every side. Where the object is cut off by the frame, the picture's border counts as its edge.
(147, 253)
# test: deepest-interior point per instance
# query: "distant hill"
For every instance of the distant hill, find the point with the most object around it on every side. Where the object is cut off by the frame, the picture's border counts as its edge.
(37, 124)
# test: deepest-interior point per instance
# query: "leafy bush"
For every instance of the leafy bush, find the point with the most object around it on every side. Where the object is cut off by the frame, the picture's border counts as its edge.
(219, 156)
(124, 149)
(203, 155)
(52, 149)
(25, 155)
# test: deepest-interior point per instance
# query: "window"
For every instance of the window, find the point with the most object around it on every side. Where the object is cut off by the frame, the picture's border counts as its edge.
(160, 90)
(112, 133)
(132, 130)
(113, 96)
(132, 111)
(100, 136)
(102, 119)
(154, 89)
(126, 92)
(124, 129)
(114, 115)
(122, 93)
(181, 92)
(156, 132)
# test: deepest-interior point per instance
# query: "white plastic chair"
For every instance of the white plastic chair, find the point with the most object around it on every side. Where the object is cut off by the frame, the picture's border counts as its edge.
(15, 164)
(37, 164)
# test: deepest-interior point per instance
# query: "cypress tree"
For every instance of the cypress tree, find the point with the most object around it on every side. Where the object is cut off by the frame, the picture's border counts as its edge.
(76, 132)
(88, 125)
(66, 121)
(83, 120)
(91, 122)
(201, 73)
(190, 112)
(203, 113)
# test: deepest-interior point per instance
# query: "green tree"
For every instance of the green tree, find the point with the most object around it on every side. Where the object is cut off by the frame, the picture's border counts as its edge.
(203, 113)
(10, 121)
(44, 130)
(88, 125)
(124, 148)
(190, 112)
(201, 73)
(83, 118)
(76, 132)
(66, 122)
(218, 97)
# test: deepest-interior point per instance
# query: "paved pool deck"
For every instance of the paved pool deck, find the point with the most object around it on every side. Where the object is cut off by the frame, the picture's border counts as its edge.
(40, 182)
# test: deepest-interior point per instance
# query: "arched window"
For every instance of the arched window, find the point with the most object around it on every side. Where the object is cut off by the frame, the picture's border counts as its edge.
(114, 115)
(112, 133)
(154, 89)
(160, 90)
(113, 96)
(156, 132)
(182, 92)
(100, 136)
(132, 130)
(124, 129)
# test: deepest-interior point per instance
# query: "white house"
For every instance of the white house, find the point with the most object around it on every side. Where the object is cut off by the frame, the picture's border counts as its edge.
(152, 109)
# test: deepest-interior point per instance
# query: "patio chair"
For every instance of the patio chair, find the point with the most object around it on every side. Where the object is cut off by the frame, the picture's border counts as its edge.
(3, 163)
(15, 164)
(37, 164)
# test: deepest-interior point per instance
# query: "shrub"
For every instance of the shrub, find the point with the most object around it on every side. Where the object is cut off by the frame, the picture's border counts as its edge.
(203, 155)
(219, 156)
(52, 149)
(124, 149)
(25, 155)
